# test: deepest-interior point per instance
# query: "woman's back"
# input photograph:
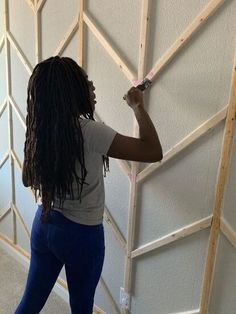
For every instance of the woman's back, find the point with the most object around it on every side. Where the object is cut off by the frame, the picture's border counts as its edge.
(97, 140)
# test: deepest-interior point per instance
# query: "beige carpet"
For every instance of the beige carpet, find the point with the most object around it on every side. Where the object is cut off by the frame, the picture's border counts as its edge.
(12, 283)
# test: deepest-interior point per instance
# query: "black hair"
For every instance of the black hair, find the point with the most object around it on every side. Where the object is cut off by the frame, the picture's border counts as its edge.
(57, 94)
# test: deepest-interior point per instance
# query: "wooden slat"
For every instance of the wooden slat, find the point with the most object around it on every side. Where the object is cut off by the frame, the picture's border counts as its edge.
(104, 42)
(143, 39)
(184, 143)
(18, 112)
(8, 241)
(16, 159)
(20, 53)
(220, 188)
(7, 48)
(81, 32)
(40, 5)
(2, 42)
(128, 274)
(65, 41)
(114, 307)
(196, 311)
(3, 107)
(17, 212)
(38, 36)
(210, 8)
(173, 236)
(10, 127)
(30, 4)
(4, 159)
(5, 211)
(228, 231)
(117, 233)
(97, 310)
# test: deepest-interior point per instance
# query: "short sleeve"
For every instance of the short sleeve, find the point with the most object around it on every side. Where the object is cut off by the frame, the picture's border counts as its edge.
(98, 136)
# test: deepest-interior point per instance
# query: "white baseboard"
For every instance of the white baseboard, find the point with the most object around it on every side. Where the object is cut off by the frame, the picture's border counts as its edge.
(58, 289)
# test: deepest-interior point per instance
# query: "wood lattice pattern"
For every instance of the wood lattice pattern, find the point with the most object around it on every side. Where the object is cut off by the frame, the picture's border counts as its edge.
(215, 221)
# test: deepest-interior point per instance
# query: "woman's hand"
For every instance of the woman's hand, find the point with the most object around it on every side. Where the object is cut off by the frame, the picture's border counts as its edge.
(134, 97)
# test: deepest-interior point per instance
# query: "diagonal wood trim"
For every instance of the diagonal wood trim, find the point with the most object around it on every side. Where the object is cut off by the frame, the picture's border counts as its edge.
(65, 41)
(18, 111)
(97, 310)
(30, 4)
(19, 249)
(228, 231)
(4, 159)
(16, 211)
(17, 160)
(3, 107)
(5, 211)
(196, 311)
(2, 42)
(185, 142)
(209, 9)
(115, 309)
(116, 230)
(20, 52)
(108, 47)
(40, 5)
(173, 236)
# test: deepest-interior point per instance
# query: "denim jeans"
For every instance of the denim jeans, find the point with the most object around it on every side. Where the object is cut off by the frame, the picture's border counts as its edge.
(59, 242)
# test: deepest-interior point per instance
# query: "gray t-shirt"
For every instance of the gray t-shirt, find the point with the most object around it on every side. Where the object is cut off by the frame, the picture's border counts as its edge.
(97, 140)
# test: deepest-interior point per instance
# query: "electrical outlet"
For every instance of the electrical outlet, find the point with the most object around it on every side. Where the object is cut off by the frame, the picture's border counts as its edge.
(124, 299)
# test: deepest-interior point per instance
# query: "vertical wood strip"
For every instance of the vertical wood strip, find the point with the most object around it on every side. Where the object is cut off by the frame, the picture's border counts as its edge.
(81, 32)
(37, 36)
(135, 165)
(10, 128)
(143, 39)
(220, 188)
(38, 32)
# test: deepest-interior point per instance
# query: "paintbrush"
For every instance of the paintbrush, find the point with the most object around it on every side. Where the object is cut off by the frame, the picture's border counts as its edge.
(145, 84)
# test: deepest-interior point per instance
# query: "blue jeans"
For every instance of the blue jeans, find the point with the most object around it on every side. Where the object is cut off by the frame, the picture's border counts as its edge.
(59, 242)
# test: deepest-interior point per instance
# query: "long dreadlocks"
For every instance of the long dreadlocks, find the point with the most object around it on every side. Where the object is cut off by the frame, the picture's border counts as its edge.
(57, 94)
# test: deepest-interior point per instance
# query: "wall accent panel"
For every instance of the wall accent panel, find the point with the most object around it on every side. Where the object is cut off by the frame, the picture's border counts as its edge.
(163, 221)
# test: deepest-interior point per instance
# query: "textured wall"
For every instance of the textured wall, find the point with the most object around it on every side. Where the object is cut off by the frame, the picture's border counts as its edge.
(189, 90)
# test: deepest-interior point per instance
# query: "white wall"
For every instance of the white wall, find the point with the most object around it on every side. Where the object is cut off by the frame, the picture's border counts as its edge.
(192, 88)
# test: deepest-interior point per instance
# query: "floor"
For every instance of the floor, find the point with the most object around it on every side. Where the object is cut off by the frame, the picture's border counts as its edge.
(13, 277)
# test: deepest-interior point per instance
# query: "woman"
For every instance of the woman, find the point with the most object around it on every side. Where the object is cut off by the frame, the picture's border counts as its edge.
(65, 154)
